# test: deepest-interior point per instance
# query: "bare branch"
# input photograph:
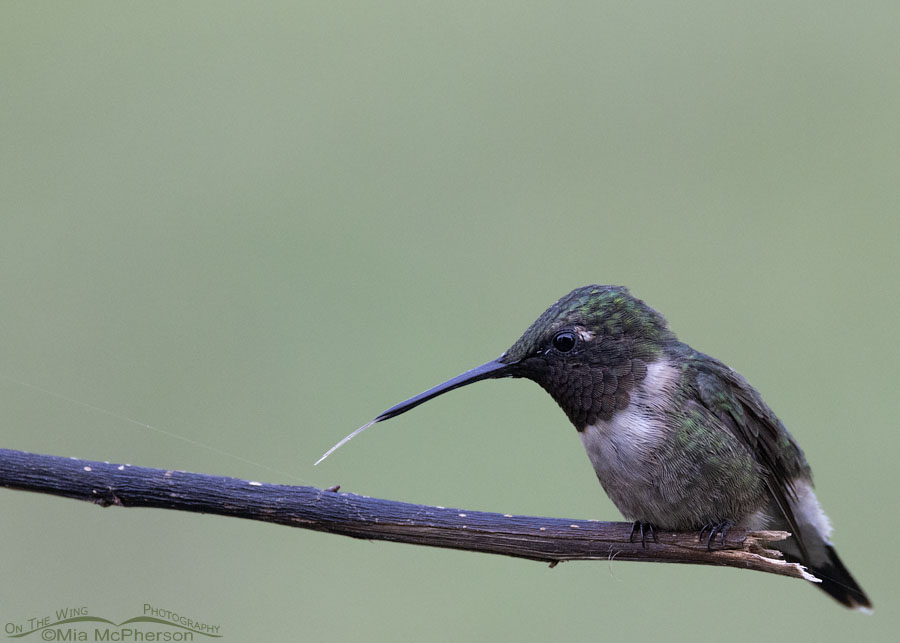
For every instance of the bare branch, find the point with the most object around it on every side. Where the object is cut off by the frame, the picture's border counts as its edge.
(550, 540)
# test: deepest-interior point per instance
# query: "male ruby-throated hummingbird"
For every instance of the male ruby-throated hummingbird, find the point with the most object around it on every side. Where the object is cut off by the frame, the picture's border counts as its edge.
(678, 440)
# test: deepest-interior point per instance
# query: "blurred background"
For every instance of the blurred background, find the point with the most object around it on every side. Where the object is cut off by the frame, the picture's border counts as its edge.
(253, 227)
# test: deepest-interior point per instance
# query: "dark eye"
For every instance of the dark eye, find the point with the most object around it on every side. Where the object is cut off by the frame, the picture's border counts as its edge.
(564, 341)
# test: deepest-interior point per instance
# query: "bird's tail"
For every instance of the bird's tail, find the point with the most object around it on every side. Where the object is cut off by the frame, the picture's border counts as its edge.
(837, 581)
(812, 548)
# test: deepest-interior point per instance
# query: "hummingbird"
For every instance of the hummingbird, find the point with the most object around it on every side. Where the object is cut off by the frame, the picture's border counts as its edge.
(678, 440)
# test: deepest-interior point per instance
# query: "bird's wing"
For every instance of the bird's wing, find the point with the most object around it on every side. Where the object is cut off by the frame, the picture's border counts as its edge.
(741, 409)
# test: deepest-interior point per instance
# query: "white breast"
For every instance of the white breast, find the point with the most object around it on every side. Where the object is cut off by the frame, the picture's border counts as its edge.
(619, 448)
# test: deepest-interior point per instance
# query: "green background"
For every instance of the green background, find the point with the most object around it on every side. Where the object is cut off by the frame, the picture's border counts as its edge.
(255, 226)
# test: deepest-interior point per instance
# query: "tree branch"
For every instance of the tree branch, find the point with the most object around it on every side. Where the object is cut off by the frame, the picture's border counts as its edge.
(544, 539)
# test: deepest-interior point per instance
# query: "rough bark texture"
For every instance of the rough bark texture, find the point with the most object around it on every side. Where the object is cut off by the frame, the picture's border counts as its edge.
(550, 540)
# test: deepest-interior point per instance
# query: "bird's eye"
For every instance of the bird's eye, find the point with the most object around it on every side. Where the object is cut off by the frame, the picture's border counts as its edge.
(564, 341)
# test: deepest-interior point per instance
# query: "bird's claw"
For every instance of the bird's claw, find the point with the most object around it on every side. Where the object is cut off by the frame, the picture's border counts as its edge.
(643, 528)
(720, 528)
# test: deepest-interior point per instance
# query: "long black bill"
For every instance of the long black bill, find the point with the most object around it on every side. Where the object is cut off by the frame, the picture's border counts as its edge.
(490, 370)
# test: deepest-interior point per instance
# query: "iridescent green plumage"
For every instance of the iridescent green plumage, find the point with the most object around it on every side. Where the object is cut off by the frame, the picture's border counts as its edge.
(610, 310)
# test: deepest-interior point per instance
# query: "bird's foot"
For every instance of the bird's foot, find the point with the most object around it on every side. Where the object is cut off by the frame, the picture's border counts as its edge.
(720, 528)
(643, 528)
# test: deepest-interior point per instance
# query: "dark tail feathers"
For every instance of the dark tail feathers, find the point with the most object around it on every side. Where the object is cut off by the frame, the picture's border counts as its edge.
(837, 581)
